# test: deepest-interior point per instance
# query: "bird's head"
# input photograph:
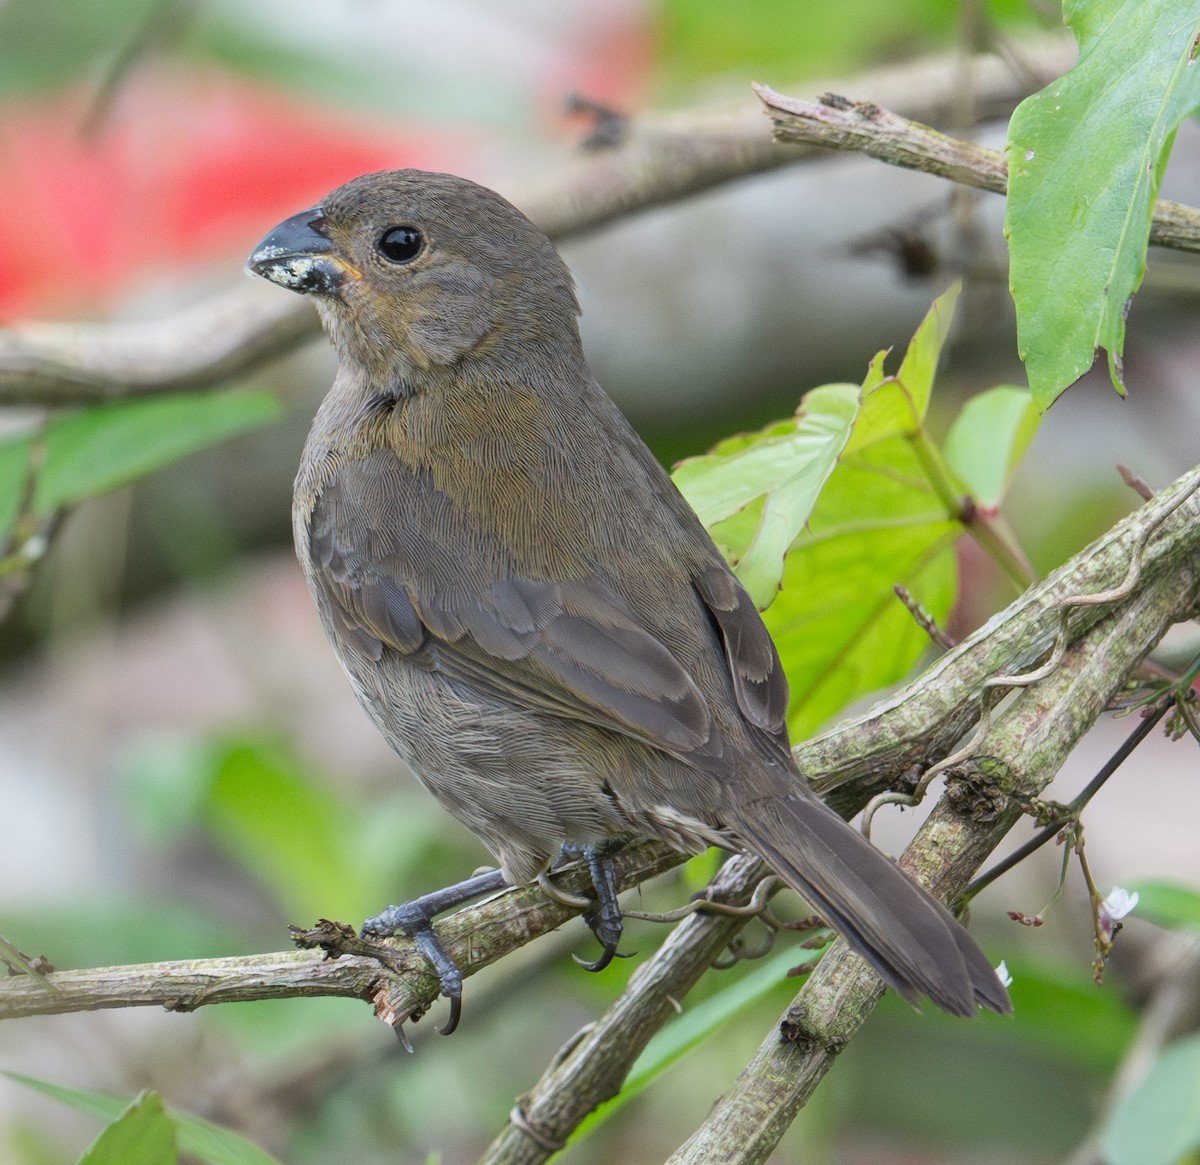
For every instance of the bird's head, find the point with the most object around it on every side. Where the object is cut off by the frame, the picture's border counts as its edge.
(412, 270)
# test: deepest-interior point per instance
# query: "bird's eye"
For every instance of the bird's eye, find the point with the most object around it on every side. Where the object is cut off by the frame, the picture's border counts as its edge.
(401, 244)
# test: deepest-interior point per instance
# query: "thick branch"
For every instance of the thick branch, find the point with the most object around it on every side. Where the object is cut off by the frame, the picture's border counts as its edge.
(866, 127)
(1015, 761)
(56, 364)
(659, 160)
(592, 1065)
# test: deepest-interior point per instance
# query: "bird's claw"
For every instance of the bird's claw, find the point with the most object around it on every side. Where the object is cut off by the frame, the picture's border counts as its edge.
(415, 919)
(609, 953)
(455, 1012)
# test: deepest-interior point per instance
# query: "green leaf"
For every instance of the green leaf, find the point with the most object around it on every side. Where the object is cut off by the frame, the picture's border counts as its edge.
(95, 450)
(142, 1135)
(1086, 157)
(756, 491)
(194, 1136)
(988, 439)
(832, 522)
(847, 518)
(97, 1104)
(15, 468)
(1168, 904)
(840, 630)
(899, 403)
(1159, 1121)
(920, 361)
(290, 830)
(883, 518)
(219, 1146)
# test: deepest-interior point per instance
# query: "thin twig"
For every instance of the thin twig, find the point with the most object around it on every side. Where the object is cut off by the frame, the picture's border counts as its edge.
(1135, 482)
(867, 127)
(923, 618)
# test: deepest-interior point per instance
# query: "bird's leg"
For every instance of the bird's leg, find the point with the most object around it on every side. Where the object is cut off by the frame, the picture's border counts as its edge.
(415, 919)
(604, 915)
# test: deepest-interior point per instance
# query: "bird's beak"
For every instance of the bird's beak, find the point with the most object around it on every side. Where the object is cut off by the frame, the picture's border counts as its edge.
(298, 256)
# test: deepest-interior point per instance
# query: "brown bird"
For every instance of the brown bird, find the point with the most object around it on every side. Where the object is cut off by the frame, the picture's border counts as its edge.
(526, 607)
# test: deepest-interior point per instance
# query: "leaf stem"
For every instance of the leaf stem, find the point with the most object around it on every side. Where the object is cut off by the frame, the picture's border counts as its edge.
(974, 518)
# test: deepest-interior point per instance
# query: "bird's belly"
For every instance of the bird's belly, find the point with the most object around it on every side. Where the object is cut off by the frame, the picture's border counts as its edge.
(523, 781)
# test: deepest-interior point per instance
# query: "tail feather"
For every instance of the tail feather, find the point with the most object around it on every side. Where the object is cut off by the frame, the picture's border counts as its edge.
(913, 942)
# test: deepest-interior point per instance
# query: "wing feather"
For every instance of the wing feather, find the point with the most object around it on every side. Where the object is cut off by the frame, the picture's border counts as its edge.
(573, 648)
(758, 677)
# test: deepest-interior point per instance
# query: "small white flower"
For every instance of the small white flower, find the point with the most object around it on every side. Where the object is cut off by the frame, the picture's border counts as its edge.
(1120, 902)
(1003, 975)
(1113, 908)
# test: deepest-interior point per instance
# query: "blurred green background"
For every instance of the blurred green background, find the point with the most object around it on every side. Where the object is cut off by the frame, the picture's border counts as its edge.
(183, 768)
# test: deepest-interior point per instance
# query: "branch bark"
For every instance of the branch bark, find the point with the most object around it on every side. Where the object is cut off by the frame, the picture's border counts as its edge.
(866, 127)
(592, 1065)
(659, 160)
(475, 937)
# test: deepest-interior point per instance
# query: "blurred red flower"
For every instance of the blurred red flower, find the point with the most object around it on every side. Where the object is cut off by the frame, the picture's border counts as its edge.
(178, 171)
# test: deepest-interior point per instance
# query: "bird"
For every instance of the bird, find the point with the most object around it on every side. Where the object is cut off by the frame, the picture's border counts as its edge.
(525, 605)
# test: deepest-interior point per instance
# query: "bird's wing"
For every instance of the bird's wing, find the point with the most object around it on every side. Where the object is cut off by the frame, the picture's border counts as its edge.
(758, 678)
(403, 582)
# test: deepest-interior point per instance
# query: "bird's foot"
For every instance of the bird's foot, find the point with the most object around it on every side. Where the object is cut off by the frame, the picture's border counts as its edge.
(415, 919)
(603, 914)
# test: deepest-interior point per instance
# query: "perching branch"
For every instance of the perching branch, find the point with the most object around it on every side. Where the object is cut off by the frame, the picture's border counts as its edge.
(659, 160)
(474, 937)
(867, 127)
(593, 1064)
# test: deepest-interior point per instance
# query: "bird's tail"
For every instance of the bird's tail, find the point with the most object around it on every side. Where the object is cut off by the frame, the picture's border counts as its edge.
(911, 940)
